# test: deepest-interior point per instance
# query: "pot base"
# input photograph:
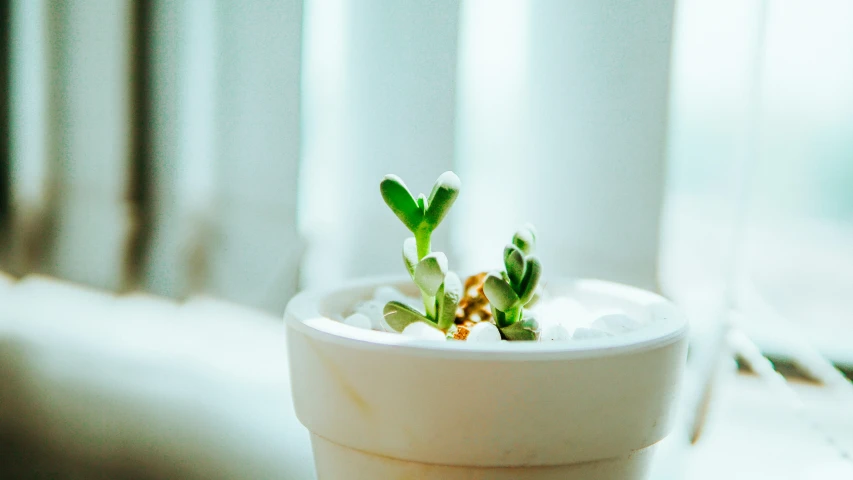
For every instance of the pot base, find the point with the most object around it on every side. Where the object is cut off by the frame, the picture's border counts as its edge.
(336, 462)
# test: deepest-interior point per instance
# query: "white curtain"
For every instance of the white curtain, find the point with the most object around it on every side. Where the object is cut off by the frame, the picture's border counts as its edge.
(197, 103)
(380, 93)
(181, 149)
(227, 80)
(555, 115)
(558, 118)
(89, 140)
(270, 124)
(563, 125)
(253, 248)
(761, 169)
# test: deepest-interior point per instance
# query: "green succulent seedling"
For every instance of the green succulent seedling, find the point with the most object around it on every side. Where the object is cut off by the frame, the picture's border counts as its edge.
(421, 216)
(440, 289)
(510, 290)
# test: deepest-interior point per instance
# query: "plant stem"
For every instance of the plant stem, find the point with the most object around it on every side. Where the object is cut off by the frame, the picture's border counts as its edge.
(512, 315)
(423, 239)
(500, 318)
(429, 306)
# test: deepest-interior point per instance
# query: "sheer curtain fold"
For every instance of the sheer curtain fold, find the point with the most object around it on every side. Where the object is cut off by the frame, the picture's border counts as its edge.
(564, 116)
(598, 108)
(492, 129)
(89, 135)
(226, 150)
(759, 211)
(552, 112)
(185, 115)
(183, 103)
(254, 249)
(6, 21)
(394, 112)
(27, 136)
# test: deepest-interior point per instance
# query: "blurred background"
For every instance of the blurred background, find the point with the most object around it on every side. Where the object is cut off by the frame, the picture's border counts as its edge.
(173, 171)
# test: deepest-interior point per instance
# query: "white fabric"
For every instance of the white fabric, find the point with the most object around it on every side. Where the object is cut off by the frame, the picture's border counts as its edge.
(199, 390)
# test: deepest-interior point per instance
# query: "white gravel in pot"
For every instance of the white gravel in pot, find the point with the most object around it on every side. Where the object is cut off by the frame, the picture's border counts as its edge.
(484, 332)
(554, 333)
(359, 320)
(422, 331)
(585, 333)
(615, 323)
(560, 319)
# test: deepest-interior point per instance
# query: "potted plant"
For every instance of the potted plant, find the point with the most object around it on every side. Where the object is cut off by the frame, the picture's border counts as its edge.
(493, 377)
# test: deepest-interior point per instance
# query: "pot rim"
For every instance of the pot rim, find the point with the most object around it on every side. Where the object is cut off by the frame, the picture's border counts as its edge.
(307, 313)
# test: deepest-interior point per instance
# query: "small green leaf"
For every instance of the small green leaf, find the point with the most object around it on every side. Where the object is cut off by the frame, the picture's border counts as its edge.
(528, 285)
(400, 200)
(537, 296)
(514, 263)
(526, 329)
(525, 240)
(422, 204)
(500, 317)
(410, 255)
(430, 272)
(399, 316)
(443, 194)
(448, 298)
(499, 293)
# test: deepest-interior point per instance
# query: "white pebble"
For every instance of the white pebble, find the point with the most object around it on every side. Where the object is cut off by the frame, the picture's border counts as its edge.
(554, 333)
(423, 331)
(563, 311)
(587, 333)
(484, 332)
(373, 310)
(387, 294)
(600, 312)
(359, 320)
(615, 323)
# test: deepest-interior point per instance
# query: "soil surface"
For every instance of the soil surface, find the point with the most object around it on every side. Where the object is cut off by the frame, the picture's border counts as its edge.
(474, 306)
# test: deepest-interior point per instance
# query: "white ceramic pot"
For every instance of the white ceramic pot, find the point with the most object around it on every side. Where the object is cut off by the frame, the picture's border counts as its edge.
(383, 406)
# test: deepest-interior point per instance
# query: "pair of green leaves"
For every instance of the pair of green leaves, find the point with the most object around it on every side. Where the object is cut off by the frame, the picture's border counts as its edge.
(423, 213)
(447, 295)
(525, 329)
(429, 272)
(442, 288)
(510, 290)
(517, 285)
